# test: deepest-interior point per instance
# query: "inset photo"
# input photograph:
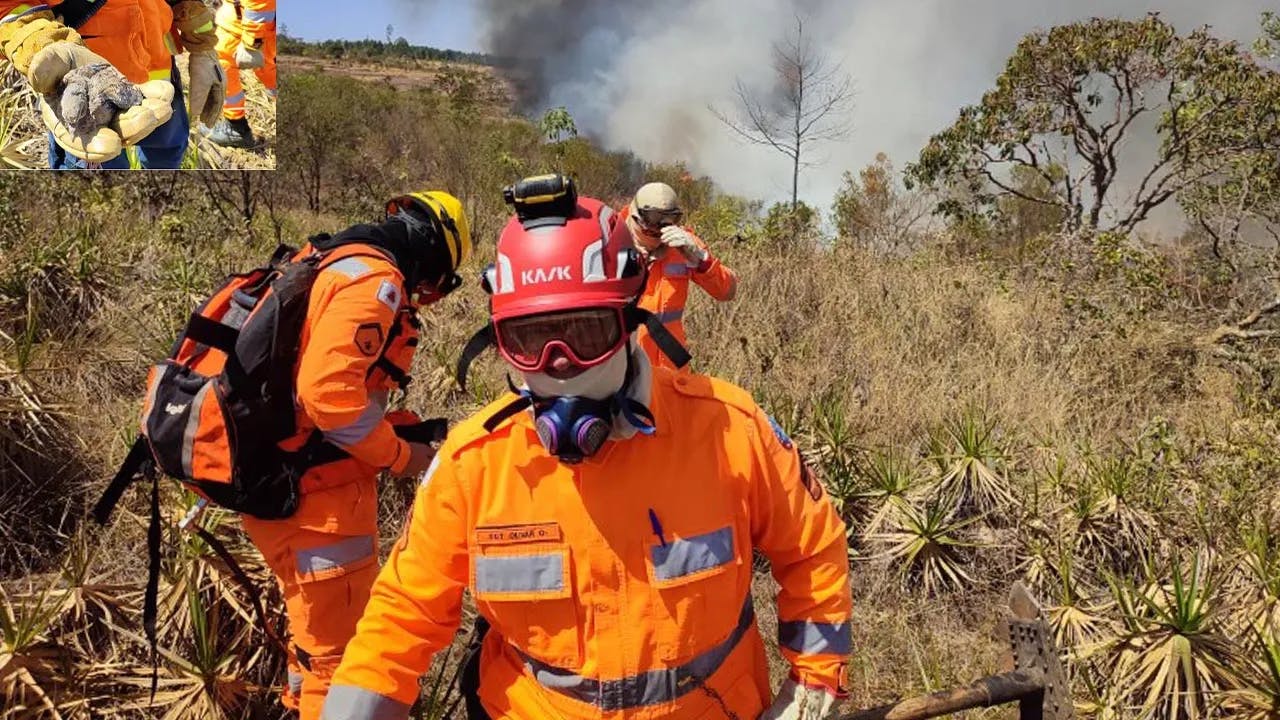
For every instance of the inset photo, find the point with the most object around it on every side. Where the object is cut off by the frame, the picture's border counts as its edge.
(138, 84)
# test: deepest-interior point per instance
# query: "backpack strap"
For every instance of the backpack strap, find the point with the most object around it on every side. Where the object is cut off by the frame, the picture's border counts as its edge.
(137, 463)
(476, 345)
(662, 337)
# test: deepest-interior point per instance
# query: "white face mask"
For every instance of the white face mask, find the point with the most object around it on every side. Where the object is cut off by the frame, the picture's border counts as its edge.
(597, 383)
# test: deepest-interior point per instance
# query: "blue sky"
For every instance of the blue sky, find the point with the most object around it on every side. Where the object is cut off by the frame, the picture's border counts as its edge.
(448, 25)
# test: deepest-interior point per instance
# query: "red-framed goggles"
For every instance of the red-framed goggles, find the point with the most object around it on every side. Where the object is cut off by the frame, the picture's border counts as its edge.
(587, 336)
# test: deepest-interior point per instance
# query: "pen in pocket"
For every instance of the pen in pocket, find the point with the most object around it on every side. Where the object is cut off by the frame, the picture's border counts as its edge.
(657, 527)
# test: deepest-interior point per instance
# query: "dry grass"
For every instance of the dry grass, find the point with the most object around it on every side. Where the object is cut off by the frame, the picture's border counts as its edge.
(1099, 427)
(976, 421)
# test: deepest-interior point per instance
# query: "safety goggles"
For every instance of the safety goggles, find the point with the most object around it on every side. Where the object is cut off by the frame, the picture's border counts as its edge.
(587, 337)
(653, 220)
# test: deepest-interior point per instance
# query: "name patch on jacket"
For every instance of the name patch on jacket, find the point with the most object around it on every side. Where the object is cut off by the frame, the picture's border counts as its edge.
(516, 534)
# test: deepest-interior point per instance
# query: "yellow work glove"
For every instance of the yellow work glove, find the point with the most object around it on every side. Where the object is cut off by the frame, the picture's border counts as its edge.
(194, 23)
(91, 109)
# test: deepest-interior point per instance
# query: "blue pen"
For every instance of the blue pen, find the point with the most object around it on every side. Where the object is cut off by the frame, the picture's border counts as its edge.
(657, 527)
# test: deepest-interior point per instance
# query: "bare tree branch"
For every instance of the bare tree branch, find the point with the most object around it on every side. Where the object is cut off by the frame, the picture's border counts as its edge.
(808, 104)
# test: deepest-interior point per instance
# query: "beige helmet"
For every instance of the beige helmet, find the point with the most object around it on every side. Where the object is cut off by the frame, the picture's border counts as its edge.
(655, 206)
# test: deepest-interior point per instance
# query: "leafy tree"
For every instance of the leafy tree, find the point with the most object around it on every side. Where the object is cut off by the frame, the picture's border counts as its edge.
(1241, 190)
(319, 141)
(557, 124)
(791, 222)
(873, 211)
(1071, 98)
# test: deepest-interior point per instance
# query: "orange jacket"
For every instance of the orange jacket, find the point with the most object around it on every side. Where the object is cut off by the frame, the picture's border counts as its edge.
(249, 20)
(666, 291)
(136, 36)
(617, 586)
(359, 335)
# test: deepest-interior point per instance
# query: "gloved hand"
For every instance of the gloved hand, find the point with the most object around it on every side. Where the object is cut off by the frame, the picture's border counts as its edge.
(433, 430)
(92, 110)
(677, 238)
(800, 702)
(420, 457)
(194, 23)
(208, 88)
(89, 107)
(249, 58)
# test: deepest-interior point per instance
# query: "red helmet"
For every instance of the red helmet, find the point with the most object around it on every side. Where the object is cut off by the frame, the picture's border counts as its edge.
(566, 276)
(554, 263)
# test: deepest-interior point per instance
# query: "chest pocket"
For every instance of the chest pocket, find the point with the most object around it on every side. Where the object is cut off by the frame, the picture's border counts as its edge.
(526, 592)
(391, 369)
(697, 589)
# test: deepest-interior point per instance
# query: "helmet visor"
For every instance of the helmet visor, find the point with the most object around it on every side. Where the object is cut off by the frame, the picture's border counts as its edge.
(587, 336)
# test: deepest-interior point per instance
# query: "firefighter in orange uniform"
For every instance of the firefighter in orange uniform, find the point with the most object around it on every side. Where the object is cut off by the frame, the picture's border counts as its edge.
(86, 49)
(356, 346)
(675, 256)
(246, 41)
(603, 518)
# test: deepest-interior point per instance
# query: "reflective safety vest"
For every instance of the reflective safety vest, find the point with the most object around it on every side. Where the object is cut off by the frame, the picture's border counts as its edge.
(617, 587)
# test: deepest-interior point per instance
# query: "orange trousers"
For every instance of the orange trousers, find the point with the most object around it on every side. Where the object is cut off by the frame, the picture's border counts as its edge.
(325, 559)
(230, 33)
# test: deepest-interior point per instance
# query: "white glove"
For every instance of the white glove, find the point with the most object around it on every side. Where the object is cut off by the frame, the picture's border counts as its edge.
(677, 238)
(248, 58)
(800, 702)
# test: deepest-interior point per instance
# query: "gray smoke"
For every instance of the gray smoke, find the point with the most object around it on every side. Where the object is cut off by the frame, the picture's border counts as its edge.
(640, 75)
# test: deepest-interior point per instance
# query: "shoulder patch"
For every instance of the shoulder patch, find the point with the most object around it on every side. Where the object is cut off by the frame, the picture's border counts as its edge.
(369, 339)
(351, 267)
(782, 434)
(389, 294)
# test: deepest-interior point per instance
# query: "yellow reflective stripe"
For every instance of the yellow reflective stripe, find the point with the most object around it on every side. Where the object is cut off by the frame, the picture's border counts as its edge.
(207, 27)
(169, 44)
(158, 74)
(21, 10)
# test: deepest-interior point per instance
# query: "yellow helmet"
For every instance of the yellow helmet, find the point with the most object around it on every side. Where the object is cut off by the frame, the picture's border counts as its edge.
(448, 211)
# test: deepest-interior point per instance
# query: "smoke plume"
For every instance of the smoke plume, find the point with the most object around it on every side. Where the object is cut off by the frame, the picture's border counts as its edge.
(640, 75)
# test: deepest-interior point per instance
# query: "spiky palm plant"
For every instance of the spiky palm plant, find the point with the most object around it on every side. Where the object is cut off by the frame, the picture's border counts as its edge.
(1120, 480)
(32, 664)
(927, 546)
(834, 447)
(1171, 655)
(888, 479)
(1106, 526)
(1257, 596)
(1078, 622)
(973, 475)
(1258, 697)
(213, 658)
(205, 673)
